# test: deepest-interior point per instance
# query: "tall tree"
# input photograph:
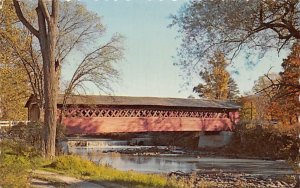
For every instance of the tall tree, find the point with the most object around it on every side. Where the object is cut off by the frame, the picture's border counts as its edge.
(207, 26)
(80, 31)
(264, 85)
(279, 94)
(20, 43)
(47, 35)
(261, 100)
(14, 86)
(234, 27)
(233, 90)
(289, 83)
(14, 90)
(287, 95)
(217, 81)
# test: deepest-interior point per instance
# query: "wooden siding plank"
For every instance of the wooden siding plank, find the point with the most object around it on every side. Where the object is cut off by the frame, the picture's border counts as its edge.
(98, 125)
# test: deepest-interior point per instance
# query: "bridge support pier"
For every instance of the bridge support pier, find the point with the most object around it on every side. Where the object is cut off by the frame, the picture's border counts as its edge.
(214, 139)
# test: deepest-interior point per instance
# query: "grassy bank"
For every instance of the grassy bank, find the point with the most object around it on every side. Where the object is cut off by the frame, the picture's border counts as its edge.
(18, 160)
(84, 169)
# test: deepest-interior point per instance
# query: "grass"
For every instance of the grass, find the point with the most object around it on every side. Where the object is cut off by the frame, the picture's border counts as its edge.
(13, 172)
(17, 160)
(84, 169)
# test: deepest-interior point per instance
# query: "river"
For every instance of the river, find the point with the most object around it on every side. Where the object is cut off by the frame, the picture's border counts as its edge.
(166, 163)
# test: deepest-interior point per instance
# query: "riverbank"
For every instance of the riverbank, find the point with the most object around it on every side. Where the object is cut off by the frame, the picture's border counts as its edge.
(17, 163)
(88, 173)
(197, 168)
(45, 179)
(220, 179)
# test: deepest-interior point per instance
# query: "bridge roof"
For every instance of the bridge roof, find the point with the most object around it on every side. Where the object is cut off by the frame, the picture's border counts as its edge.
(146, 101)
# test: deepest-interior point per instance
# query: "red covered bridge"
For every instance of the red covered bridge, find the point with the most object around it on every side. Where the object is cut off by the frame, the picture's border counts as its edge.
(94, 114)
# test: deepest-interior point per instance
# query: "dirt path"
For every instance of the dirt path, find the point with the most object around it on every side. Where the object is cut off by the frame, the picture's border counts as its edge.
(45, 179)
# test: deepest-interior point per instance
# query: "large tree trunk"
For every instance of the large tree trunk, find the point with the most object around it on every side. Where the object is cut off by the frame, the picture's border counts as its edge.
(50, 109)
(47, 39)
(50, 88)
(50, 99)
(47, 35)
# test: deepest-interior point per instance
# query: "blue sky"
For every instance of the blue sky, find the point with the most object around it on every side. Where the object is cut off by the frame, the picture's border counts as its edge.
(147, 69)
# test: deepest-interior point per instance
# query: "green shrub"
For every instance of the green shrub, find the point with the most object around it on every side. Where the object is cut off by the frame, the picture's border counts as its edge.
(31, 134)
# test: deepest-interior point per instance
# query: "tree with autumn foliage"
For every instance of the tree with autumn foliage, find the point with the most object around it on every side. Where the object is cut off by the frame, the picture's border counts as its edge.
(289, 84)
(277, 95)
(285, 102)
(14, 89)
(14, 84)
(217, 81)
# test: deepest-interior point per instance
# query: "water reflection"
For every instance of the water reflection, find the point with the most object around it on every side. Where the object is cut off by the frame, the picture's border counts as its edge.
(147, 164)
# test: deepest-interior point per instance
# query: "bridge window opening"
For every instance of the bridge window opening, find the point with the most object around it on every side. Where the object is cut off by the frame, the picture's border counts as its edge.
(105, 112)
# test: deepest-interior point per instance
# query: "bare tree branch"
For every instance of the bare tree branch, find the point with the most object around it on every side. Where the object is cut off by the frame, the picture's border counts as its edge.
(20, 15)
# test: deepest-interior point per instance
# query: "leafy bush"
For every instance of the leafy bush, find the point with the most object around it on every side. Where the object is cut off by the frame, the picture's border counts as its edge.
(30, 134)
(18, 149)
(277, 142)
